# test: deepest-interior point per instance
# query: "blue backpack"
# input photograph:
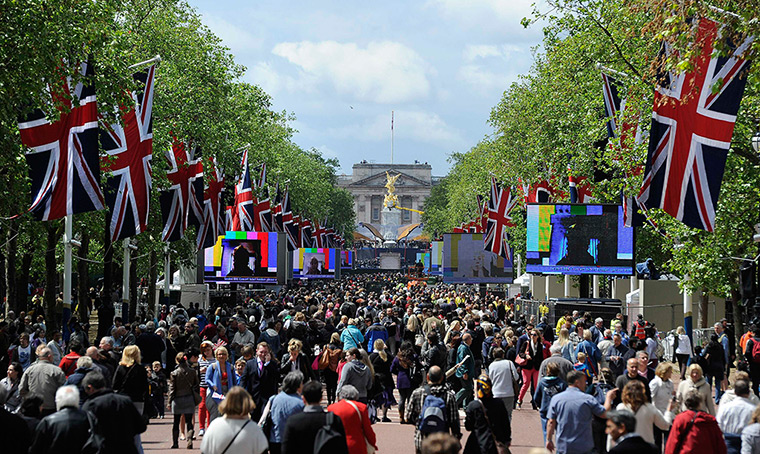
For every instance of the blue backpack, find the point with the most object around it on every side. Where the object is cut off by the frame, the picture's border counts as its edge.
(433, 414)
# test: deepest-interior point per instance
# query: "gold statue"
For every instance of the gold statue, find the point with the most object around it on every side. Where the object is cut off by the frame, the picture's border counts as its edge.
(391, 200)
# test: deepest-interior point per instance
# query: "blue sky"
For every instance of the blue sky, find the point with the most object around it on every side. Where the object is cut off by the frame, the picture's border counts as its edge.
(342, 67)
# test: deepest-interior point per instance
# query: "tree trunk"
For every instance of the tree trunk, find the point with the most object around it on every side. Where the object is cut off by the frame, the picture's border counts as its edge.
(83, 276)
(51, 274)
(740, 320)
(11, 249)
(152, 277)
(107, 263)
(703, 303)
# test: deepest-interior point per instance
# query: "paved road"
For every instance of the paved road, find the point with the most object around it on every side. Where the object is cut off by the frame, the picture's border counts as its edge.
(393, 438)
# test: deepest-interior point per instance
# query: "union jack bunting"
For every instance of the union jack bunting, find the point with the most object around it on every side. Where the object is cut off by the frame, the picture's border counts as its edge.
(63, 156)
(691, 133)
(501, 202)
(306, 233)
(330, 238)
(182, 203)
(213, 218)
(129, 151)
(228, 218)
(243, 208)
(580, 191)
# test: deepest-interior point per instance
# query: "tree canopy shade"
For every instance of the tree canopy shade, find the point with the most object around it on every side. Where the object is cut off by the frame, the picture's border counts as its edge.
(199, 96)
(553, 117)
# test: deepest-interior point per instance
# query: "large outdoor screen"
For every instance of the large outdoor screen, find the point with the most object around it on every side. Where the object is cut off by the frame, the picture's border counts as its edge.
(578, 239)
(465, 261)
(242, 257)
(436, 258)
(315, 263)
(346, 260)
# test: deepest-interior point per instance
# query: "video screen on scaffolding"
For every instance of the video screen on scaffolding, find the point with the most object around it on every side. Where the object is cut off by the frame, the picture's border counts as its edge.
(244, 257)
(578, 239)
(465, 261)
(314, 263)
(436, 258)
(346, 260)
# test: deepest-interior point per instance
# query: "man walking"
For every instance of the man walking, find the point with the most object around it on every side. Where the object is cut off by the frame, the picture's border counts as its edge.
(466, 371)
(43, 378)
(570, 414)
(66, 430)
(301, 429)
(415, 414)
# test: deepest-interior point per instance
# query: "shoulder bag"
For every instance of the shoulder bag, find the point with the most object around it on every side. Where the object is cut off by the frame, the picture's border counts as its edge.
(196, 394)
(370, 448)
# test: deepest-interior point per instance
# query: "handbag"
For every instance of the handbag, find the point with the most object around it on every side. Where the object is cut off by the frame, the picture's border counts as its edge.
(196, 394)
(521, 361)
(266, 422)
(370, 447)
(324, 359)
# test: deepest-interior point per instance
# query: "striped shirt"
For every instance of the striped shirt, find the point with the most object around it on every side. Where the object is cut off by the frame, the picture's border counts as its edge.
(202, 362)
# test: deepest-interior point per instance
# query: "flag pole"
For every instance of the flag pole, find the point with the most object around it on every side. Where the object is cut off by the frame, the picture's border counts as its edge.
(125, 274)
(155, 59)
(392, 132)
(67, 253)
(167, 277)
(603, 68)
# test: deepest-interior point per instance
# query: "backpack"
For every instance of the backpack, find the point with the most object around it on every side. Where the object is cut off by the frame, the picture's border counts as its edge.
(433, 414)
(755, 351)
(551, 390)
(329, 440)
(600, 391)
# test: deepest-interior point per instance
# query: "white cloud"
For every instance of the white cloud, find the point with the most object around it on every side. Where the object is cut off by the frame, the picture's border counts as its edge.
(239, 40)
(475, 51)
(497, 17)
(483, 80)
(383, 72)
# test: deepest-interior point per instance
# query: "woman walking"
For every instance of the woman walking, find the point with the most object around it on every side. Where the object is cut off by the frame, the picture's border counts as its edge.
(695, 382)
(206, 359)
(10, 383)
(220, 378)
(682, 347)
(334, 351)
(381, 362)
(401, 367)
(183, 385)
(532, 353)
(131, 378)
(235, 433)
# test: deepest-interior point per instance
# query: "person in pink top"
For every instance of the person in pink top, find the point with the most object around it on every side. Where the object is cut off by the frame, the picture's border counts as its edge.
(353, 414)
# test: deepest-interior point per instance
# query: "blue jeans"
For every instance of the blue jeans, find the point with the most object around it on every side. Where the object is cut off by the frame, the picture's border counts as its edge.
(718, 391)
(543, 427)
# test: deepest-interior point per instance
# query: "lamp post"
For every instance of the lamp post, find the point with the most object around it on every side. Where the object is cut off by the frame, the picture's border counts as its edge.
(755, 140)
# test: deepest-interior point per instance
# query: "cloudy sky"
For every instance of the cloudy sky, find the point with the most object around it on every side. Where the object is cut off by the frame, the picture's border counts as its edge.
(342, 66)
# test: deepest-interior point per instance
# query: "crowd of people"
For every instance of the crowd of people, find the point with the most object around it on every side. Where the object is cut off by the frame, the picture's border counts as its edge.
(252, 375)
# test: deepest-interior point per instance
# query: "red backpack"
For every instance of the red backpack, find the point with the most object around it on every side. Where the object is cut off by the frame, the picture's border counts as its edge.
(755, 351)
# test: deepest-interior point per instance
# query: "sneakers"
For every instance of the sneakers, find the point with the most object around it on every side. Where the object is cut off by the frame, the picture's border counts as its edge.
(201, 432)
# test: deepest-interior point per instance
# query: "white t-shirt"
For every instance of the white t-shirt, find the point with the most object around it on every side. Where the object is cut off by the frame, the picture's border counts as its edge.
(502, 372)
(221, 430)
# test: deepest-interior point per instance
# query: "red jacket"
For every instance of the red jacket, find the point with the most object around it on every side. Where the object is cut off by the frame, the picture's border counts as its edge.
(703, 437)
(357, 428)
(69, 363)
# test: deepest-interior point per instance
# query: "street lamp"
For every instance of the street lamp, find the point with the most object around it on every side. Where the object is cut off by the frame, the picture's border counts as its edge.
(755, 140)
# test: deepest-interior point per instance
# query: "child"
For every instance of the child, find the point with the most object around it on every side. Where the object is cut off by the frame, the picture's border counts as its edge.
(582, 366)
(239, 370)
(158, 388)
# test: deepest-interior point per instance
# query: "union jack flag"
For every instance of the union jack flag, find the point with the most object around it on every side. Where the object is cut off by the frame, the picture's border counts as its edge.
(277, 211)
(500, 204)
(540, 192)
(290, 222)
(243, 208)
(63, 156)
(306, 233)
(580, 191)
(129, 151)
(229, 218)
(614, 106)
(691, 133)
(318, 236)
(262, 212)
(182, 203)
(213, 221)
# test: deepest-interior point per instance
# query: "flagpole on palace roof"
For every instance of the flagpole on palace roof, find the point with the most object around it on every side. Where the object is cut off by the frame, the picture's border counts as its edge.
(392, 137)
